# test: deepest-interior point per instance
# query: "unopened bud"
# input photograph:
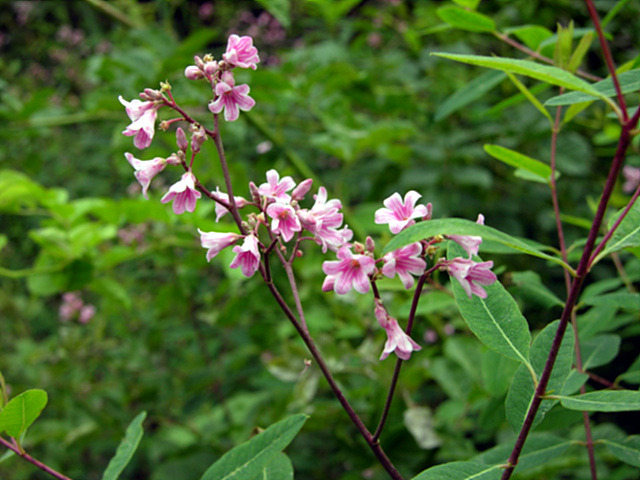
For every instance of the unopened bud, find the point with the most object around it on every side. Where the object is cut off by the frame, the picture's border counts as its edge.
(181, 140)
(175, 159)
(253, 189)
(193, 73)
(151, 95)
(358, 248)
(211, 68)
(302, 189)
(370, 245)
(429, 211)
(164, 125)
(199, 63)
(299, 253)
(198, 137)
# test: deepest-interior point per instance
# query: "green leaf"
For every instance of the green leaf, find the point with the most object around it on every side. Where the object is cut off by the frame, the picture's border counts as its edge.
(465, 19)
(280, 468)
(627, 451)
(473, 90)
(603, 401)
(459, 226)
(539, 449)
(598, 351)
(530, 96)
(626, 235)
(472, 4)
(530, 286)
(632, 375)
(246, 461)
(544, 73)
(495, 320)
(616, 300)
(522, 388)
(580, 51)
(280, 9)
(461, 471)
(22, 411)
(126, 449)
(531, 35)
(3, 241)
(629, 82)
(497, 372)
(518, 160)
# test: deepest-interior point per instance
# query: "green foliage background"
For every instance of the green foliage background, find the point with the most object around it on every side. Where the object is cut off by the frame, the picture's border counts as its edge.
(346, 90)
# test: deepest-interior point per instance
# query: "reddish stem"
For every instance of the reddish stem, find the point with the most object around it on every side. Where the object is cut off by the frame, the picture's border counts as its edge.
(32, 460)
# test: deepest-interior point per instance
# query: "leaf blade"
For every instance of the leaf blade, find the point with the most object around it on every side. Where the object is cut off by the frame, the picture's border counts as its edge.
(127, 447)
(22, 411)
(246, 461)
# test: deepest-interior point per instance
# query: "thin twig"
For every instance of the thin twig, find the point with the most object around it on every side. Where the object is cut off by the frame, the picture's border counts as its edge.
(32, 460)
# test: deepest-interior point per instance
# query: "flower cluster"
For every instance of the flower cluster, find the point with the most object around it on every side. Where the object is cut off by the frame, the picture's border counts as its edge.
(281, 214)
(227, 96)
(278, 222)
(72, 306)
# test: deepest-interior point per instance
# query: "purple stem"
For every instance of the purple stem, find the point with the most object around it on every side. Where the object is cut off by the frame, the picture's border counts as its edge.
(32, 460)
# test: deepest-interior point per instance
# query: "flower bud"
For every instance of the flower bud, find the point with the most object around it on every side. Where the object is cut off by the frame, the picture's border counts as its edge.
(151, 95)
(211, 68)
(198, 137)
(175, 158)
(301, 190)
(193, 73)
(253, 189)
(370, 245)
(358, 248)
(199, 63)
(181, 140)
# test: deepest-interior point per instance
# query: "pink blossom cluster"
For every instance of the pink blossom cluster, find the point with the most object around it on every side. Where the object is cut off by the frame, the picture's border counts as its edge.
(284, 219)
(227, 96)
(72, 306)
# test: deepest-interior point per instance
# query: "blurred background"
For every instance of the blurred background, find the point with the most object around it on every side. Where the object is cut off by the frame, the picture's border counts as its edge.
(107, 301)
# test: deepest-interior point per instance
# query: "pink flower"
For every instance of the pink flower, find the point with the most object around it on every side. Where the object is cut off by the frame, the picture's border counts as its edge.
(398, 341)
(222, 211)
(241, 52)
(275, 188)
(146, 170)
(143, 118)
(285, 221)
(631, 178)
(404, 262)
(183, 193)
(471, 275)
(231, 98)
(351, 271)
(86, 313)
(470, 243)
(323, 221)
(400, 215)
(247, 256)
(216, 242)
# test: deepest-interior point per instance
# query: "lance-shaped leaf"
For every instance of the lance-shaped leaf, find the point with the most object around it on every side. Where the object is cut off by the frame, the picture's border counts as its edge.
(544, 73)
(626, 235)
(603, 401)
(468, 93)
(461, 471)
(22, 411)
(459, 226)
(522, 388)
(126, 449)
(629, 82)
(280, 468)
(246, 461)
(495, 320)
(627, 451)
(465, 19)
(521, 161)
